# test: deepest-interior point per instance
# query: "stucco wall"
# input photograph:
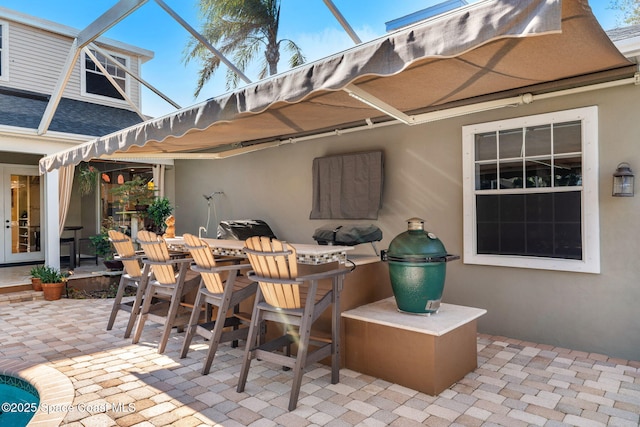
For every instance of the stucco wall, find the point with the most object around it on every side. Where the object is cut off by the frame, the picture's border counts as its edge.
(588, 312)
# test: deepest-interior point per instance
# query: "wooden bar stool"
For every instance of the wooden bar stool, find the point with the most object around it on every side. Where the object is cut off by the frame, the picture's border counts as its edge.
(225, 294)
(132, 276)
(295, 302)
(165, 283)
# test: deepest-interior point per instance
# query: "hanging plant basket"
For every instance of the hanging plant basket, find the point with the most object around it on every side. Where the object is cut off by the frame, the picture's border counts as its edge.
(87, 178)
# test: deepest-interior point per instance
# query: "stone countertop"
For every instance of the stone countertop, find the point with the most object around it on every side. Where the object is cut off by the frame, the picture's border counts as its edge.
(385, 312)
(307, 253)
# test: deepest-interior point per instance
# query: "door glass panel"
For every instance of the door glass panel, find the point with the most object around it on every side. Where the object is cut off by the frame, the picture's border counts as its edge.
(25, 213)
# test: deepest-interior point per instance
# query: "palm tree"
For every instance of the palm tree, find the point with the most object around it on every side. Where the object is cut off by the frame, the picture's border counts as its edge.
(240, 30)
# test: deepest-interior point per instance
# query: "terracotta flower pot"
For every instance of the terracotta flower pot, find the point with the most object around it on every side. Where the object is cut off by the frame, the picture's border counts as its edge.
(37, 284)
(52, 291)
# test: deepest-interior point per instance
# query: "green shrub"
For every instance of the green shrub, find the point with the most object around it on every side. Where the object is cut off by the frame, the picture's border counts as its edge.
(158, 211)
(51, 275)
(102, 245)
(37, 271)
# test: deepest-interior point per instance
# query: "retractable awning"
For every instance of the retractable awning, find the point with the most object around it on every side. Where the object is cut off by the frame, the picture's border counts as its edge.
(484, 51)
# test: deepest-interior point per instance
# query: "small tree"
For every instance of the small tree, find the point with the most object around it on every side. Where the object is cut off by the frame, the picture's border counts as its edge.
(102, 245)
(134, 192)
(158, 211)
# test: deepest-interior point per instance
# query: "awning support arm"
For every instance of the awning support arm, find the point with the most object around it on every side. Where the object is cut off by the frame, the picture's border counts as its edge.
(372, 101)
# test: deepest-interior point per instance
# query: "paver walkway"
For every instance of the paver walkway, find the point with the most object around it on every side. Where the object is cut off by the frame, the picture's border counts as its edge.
(117, 383)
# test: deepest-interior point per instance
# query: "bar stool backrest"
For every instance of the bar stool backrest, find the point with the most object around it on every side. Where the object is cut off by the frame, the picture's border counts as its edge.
(156, 250)
(203, 257)
(272, 259)
(124, 248)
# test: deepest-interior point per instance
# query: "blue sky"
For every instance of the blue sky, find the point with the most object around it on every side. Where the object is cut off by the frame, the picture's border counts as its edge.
(308, 22)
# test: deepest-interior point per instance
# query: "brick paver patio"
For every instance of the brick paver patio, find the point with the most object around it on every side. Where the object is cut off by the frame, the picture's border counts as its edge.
(117, 383)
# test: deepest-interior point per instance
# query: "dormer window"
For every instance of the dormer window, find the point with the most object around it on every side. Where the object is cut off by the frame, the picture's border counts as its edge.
(96, 83)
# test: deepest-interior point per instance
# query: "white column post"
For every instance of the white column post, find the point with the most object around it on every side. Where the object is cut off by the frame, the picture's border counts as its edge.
(51, 235)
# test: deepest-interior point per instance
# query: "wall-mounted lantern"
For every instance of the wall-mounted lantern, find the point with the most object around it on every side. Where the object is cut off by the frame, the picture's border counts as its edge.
(623, 181)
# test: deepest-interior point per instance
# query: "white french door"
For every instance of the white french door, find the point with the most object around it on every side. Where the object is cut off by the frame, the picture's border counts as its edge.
(21, 214)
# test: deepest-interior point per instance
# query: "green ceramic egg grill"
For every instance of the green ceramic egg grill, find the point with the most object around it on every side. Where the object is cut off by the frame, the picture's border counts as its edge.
(417, 268)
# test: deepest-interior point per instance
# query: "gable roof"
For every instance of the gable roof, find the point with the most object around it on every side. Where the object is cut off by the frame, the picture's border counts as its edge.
(485, 51)
(24, 109)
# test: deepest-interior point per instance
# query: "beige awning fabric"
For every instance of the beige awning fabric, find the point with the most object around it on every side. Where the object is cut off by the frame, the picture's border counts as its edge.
(490, 48)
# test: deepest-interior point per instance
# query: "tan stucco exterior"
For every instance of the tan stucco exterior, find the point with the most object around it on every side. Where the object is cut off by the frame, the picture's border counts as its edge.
(423, 177)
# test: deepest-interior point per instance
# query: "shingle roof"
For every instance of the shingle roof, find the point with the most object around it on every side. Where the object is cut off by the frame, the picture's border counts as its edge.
(25, 109)
(623, 33)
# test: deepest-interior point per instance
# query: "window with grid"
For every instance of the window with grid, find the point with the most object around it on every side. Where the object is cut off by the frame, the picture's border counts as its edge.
(96, 83)
(530, 192)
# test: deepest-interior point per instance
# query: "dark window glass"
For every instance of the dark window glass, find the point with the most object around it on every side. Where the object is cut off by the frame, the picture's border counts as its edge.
(538, 173)
(511, 144)
(486, 146)
(541, 225)
(568, 171)
(538, 141)
(567, 137)
(511, 174)
(97, 83)
(487, 176)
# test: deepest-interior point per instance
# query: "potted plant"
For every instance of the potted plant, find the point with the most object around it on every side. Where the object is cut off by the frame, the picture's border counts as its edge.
(103, 248)
(135, 194)
(53, 282)
(36, 277)
(158, 212)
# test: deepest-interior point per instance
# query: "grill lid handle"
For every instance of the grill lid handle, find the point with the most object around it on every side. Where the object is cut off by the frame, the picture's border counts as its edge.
(384, 256)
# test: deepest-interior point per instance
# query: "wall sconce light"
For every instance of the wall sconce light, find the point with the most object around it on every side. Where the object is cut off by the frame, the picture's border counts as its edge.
(623, 181)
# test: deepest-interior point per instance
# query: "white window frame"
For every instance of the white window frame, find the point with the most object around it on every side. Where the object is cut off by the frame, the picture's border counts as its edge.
(127, 84)
(590, 262)
(4, 52)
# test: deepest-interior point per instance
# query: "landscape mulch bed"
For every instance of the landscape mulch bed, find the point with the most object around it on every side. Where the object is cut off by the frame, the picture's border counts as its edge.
(109, 292)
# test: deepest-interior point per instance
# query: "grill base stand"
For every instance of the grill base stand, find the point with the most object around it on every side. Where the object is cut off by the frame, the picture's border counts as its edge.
(428, 354)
